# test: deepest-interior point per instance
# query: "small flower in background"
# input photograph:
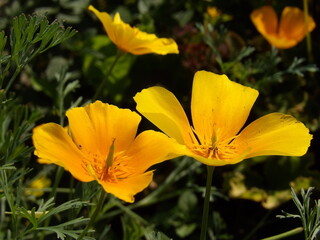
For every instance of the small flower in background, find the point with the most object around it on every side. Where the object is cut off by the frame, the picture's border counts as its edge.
(219, 109)
(213, 12)
(37, 185)
(131, 39)
(102, 147)
(287, 33)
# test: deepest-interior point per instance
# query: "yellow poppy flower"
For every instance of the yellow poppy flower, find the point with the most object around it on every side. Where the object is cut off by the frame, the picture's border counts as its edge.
(37, 186)
(219, 109)
(289, 32)
(131, 39)
(102, 147)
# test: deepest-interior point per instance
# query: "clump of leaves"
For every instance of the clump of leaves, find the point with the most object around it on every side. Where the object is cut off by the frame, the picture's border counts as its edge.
(309, 213)
(30, 36)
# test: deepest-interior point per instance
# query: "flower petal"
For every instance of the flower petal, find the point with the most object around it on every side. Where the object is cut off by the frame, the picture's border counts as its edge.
(265, 20)
(144, 43)
(131, 39)
(274, 134)
(96, 125)
(219, 106)
(163, 109)
(54, 145)
(106, 21)
(218, 162)
(281, 42)
(151, 147)
(293, 24)
(126, 189)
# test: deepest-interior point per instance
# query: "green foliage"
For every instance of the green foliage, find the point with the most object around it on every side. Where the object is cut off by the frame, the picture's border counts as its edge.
(16, 122)
(46, 210)
(30, 36)
(309, 213)
(96, 66)
(156, 236)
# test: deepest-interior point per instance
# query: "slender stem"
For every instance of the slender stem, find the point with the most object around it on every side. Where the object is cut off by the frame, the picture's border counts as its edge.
(104, 81)
(94, 215)
(61, 95)
(57, 179)
(205, 214)
(308, 37)
(52, 194)
(285, 234)
(14, 76)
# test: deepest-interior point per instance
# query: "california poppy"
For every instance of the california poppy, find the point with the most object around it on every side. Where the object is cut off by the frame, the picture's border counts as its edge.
(287, 32)
(131, 39)
(219, 109)
(102, 146)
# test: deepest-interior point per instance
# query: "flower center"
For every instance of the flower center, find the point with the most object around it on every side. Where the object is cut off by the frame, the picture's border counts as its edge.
(111, 168)
(216, 148)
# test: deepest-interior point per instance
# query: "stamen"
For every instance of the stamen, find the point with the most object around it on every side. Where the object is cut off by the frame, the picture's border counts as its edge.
(110, 156)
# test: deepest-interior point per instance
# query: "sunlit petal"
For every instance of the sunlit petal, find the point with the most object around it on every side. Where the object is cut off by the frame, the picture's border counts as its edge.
(131, 39)
(54, 145)
(106, 21)
(112, 123)
(163, 109)
(95, 126)
(151, 147)
(275, 134)
(219, 106)
(125, 189)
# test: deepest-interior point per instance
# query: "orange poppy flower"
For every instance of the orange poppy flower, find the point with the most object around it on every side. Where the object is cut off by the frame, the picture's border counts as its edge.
(102, 146)
(131, 39)
(287, 33)
(219, 109)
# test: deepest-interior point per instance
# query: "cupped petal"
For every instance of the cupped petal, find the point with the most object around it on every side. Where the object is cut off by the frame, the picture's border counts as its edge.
(265, 20)
(106, 21)
(237, 157)
(274, 134)
(281, 42)
(125, 189)
(131, 39)
(163, 109)
(293, 24)
(54, 146)
(123, 33)
(98, 124)
(219, 107)
(144, 43)
(151, 147)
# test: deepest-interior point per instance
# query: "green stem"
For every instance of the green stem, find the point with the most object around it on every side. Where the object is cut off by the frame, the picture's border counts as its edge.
(57, 179)
(285, 234)
(52, 194)
(205, 214)
(104, 81)
(94, 215)
(308, 37)
(13, 77)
